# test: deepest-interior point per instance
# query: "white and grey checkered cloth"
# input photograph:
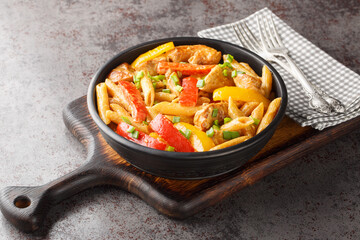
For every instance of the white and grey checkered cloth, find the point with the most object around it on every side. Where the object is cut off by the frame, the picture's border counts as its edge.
(320, 69)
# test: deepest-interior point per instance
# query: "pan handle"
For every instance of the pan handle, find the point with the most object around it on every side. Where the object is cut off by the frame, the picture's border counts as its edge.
(26, 207)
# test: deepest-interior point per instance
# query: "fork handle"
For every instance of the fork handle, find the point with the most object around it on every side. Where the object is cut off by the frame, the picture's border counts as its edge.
(317, 98)
(334, 104)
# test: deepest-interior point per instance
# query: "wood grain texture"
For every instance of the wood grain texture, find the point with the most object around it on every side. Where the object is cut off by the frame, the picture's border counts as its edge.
(175, 198)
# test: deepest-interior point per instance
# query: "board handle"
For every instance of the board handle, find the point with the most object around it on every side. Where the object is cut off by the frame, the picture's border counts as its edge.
(26, 207)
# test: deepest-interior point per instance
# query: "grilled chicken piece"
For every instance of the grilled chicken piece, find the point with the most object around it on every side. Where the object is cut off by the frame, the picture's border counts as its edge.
(204, 118)
(150, 66)
(123, 72)
(247, 81)
(195, 54)
(216, 79)
(218, 137)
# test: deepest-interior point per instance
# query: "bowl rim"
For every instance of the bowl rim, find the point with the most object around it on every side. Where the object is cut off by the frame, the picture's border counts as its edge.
(207, 155)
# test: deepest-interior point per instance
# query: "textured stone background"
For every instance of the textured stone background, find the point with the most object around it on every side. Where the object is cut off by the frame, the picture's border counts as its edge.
(50, 49)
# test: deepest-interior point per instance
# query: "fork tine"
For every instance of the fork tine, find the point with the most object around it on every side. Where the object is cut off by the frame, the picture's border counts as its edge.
(247, 43)
(247, 33)
(242, 41)
(251, 36)
(269, 35)
(262, 37)
(276, 32)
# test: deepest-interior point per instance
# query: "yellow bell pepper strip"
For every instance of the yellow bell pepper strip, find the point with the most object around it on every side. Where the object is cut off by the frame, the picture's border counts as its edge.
(239, 94)
(153, 53)
(199, 140)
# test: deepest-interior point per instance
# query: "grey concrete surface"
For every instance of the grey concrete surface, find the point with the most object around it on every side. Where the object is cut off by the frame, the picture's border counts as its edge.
(49, 51)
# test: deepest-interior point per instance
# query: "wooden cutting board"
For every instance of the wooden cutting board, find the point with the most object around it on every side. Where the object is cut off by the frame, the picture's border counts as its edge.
(26, 207)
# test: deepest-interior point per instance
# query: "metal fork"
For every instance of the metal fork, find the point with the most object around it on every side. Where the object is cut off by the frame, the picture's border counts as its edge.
(272, 47)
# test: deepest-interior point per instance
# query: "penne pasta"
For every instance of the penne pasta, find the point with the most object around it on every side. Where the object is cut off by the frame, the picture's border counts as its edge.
(266, 81)
(162, 96)
(248, 107)
(258, 112)
(237, 124)
(102, 101)
(175, 109)
(148, 90)
(249, 70)
(233, 110)
(269, 115)
(230, 143)
(152, 112)
(185, 119)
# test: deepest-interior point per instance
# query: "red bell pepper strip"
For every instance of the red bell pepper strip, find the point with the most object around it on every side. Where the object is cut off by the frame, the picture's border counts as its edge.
(142, 139)
(189, 94)
(184, 68)
(162, 126)
(133, 98)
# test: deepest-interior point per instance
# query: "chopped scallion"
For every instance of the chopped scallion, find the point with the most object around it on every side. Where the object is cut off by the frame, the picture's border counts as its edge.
(216, 123)
(135, 134)
(178, 88)
(227, 135)
(145, 122)
(176, 119)
(175, 79)
(229, 58)
(256, 121)
(215, 112)
(139, 75)
(233, 73)
(225, 72)
(187, 133)
(125, 119)
(235, 134)
(182, 133)
(166, 90)
(154, 85)
(226, 120)
(200, 83)
(137, 84)
(170, 149)
(210, 132)
(216, 127)
(130, 129)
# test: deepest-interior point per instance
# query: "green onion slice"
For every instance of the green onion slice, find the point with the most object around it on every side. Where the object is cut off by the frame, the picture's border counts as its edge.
(175, 79)
(225, 72)
(215, 112)
(226, 120)
(210, 132)
(229, 58)
(135, 134)
(233, 73)
(200, 83)
(256, 121)
(227, 135)
(176, 119)
(130, 129)
(125, 119)
(178, 88)
(166, 90)
(170, 149)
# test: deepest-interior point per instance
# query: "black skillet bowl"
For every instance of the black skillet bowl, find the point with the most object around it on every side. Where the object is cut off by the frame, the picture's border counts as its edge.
(178, 165)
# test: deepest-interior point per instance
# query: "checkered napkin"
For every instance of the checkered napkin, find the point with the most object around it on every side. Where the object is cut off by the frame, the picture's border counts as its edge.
(320, 69)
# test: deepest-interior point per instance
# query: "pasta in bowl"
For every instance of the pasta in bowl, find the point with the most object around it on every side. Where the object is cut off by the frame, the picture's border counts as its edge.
(185, 103)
